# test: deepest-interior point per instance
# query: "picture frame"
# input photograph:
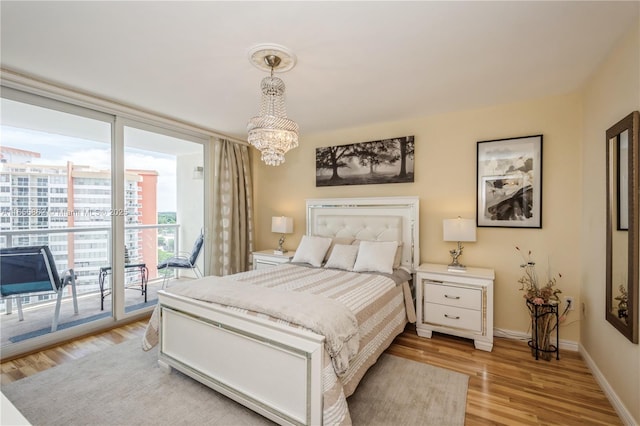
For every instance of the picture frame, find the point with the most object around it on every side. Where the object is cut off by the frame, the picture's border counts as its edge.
(366, 163)
(509, 182)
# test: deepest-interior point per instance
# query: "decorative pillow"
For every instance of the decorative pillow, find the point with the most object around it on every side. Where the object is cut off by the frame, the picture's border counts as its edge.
(342, 257)
(376, 256)
(312, 250)
(397, 260)
(334, 241)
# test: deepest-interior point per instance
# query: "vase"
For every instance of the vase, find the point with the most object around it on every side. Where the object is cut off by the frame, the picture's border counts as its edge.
(544, 320)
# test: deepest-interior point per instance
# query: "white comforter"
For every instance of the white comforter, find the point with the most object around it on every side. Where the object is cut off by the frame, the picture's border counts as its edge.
(324, 316)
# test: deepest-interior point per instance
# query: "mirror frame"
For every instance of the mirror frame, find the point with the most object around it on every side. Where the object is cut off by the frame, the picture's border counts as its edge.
(630, 123)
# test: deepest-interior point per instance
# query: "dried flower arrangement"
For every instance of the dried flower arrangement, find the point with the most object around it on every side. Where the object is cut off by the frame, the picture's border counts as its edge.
(542, 301)
(534, 291)
(623, 303)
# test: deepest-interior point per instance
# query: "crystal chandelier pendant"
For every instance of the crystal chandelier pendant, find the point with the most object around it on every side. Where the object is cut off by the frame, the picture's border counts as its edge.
(271, 132)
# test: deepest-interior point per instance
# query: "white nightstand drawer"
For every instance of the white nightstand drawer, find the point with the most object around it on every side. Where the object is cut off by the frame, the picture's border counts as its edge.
(269, 259)
(451, 295)
(450, 316)
(260, 264)
(456, 303)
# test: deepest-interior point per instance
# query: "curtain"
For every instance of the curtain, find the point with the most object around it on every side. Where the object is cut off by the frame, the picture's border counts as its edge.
(230, 239)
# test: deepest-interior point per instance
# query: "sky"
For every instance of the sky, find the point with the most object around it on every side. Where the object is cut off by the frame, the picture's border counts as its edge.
(56, 149)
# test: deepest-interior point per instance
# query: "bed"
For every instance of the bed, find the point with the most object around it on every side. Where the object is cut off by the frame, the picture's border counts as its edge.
(292, 342)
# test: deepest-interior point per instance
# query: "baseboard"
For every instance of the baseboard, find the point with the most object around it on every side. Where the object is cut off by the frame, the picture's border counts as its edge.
(621, 410)
(567, 345)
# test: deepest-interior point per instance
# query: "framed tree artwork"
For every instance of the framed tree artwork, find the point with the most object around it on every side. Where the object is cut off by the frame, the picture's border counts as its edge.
(364, 163)
(509, 182)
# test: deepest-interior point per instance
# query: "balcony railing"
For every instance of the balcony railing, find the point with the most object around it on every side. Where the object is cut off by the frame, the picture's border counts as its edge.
(87, 249)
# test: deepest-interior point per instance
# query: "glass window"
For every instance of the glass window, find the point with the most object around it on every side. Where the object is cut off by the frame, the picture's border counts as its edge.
(47, 154)
(158, 175)
(56, 181)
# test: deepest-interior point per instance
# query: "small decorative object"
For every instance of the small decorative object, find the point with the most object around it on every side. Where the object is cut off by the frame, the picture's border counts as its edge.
(458, 230)
(623, 303)
(365, 163)
(543, 303)
(281, 225)
(509, 181)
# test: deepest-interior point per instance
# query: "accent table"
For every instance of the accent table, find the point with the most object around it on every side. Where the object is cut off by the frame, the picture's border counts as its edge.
(456, 303)
(106, 270)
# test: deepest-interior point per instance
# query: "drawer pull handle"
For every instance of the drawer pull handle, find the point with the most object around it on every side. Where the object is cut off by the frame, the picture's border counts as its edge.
(451, 297)
(451, 317)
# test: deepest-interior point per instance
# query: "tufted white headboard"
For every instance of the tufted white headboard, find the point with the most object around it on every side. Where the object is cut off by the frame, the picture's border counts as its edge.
(372, 219)
(369, 228)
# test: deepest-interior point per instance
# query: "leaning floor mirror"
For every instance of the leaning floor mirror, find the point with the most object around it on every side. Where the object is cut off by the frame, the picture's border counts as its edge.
(623, 220)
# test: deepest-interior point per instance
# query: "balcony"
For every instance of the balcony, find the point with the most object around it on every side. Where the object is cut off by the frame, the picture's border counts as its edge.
(86, 250)
(38, 316)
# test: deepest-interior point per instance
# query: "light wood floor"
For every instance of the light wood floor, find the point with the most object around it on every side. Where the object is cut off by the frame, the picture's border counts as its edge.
(506, 387)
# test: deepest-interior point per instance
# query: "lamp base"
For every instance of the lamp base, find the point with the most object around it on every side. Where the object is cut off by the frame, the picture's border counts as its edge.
(280, 252)
(456, 268)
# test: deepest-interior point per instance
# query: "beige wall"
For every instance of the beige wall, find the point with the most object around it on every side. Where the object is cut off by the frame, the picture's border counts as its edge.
(612, 93)
(573, 232)
(445, 182)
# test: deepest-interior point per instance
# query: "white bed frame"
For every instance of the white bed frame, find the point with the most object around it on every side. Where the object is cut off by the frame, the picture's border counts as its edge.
(270, 368)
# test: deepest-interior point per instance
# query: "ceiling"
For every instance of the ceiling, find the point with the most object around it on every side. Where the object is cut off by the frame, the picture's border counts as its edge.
(357, 62)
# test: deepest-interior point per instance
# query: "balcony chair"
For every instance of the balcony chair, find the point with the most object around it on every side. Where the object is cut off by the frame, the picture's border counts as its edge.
(26, 270)
(184, 261)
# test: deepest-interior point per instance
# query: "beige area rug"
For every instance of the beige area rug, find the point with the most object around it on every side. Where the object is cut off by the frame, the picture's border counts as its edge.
(123, 385)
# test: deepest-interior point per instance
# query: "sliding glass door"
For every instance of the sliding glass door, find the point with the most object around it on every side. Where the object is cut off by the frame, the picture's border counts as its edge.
(55, 191)
(111, 198)
(164, 204)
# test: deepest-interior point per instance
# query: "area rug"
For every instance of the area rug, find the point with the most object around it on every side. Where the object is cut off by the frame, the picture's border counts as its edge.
(123, 385)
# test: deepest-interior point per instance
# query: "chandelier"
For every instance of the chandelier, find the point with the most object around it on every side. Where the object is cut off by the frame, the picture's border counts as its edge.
(271, 132)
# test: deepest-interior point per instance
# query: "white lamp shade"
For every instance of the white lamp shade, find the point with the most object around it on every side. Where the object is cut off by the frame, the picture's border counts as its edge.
(459, 229)
(282, 225)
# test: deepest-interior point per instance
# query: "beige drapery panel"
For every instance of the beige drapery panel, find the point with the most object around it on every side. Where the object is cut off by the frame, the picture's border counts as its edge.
(230, 239)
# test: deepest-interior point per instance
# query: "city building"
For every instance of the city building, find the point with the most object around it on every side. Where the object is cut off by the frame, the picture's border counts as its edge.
(68, 208)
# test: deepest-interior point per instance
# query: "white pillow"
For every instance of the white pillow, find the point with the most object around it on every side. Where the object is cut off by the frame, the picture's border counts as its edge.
(312, 250)
(397, 261)
(334, 241)
(342, 257)
(376, 256)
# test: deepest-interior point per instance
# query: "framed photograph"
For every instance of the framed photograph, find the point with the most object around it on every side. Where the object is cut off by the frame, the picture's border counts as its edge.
(366, 163)
(509, 181)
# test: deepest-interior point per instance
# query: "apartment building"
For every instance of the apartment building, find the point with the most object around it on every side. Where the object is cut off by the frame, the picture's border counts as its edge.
(68, 208)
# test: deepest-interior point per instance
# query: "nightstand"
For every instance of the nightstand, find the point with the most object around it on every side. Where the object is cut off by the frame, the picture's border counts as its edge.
(267, 259)
(456, 303)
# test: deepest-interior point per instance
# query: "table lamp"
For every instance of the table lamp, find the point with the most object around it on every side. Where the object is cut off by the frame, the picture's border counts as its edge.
(281, 225)
(458, 230)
